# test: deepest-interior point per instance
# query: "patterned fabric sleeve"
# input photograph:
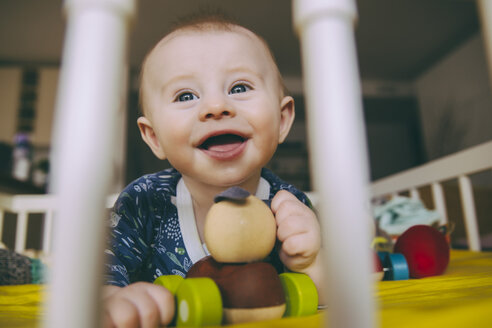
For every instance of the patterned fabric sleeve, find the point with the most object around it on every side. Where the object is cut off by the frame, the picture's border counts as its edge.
(130, 233)
(278, 184)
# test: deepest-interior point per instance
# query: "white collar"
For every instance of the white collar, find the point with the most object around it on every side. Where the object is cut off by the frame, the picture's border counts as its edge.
(196, 250)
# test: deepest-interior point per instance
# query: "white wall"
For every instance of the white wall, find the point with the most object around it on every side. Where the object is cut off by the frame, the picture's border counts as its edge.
(455, 101)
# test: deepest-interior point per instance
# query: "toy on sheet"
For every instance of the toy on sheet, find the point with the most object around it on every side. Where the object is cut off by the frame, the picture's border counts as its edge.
(390, 266)
(425, 249)
(421, 251)
(234, 284)
(18, 269)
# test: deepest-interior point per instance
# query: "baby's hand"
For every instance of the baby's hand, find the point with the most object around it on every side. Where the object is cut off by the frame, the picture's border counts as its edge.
(298, 230)
(140, 304)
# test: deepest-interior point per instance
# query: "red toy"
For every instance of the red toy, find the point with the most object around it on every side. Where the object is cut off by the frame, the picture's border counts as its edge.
(378, 271)
(425, 249)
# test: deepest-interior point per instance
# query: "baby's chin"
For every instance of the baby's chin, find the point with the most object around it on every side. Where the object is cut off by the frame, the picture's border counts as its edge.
(223, 179)
(225, 183)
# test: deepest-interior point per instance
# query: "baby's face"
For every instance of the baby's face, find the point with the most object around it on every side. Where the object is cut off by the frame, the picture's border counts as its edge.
(215, 104)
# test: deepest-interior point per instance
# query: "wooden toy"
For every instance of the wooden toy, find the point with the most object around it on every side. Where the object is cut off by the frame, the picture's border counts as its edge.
(425, 249)
(394, 265)
(387, 264)
(378, 272)
(239, 228)
(234, 284)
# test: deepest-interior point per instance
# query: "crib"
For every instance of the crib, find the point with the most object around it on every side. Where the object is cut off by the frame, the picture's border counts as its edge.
(332, 70)
(468, 269)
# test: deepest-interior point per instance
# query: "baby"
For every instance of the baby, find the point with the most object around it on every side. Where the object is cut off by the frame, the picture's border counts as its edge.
(214, 106)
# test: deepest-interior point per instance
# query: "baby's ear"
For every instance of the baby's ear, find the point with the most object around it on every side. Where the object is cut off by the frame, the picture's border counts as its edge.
(148, 135)
(287, 115)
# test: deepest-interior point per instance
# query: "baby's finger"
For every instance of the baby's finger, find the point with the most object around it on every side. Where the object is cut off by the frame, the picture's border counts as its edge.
(294, 263)
(121, 313)
(291, 226)
(287, 205)
(164, 301)
(296, 245)
(281, 197)
(147, 309)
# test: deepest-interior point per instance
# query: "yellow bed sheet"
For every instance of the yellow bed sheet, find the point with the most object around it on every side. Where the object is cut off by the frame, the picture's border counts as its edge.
(462, 297)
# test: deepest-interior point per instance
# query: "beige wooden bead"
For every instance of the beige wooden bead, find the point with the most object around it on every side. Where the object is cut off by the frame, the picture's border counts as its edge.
(240, 231)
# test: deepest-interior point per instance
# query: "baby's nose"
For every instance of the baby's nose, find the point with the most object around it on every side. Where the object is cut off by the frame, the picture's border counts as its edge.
(216, 110)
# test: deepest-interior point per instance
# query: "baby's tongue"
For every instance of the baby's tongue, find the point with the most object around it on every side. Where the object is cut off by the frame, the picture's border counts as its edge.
(223, 143)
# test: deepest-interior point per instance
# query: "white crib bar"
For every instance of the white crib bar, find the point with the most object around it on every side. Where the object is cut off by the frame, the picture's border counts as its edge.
(22, 206)
(2, 215)
(21, 232)
(414, 193)
(91, 92)
(439, 202)
(338, 156)
(469, 213)
(472, 160)
(47, 231)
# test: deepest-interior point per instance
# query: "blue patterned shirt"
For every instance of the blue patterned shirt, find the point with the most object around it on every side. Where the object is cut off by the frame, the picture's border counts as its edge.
(146, 240)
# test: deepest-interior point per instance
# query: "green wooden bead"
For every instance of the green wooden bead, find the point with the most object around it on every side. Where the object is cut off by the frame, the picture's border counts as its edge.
(199, 303)
(171, 282)
(301, 296)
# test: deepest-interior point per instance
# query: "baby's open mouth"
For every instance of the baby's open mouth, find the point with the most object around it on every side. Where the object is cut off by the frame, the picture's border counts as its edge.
(222, 142)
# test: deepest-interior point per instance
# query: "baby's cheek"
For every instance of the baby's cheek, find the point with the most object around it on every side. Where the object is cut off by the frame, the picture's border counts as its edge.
(264, 149)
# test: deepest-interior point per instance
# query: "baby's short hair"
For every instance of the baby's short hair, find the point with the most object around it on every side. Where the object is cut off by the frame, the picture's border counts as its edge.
(205, 21)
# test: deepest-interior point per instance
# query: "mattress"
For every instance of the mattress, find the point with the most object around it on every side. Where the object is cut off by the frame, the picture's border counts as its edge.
(461, 297)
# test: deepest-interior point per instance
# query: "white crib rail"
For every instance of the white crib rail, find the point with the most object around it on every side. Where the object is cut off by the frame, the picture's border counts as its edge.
(22, 206)
(91, 93)
(457, 166)
(338, 155)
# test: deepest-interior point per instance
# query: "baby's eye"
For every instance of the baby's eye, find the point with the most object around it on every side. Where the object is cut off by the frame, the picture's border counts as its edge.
(186, 96)
(239, 88)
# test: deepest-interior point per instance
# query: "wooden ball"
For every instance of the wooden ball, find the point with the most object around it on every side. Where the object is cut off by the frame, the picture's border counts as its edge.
(240, 230)
(425, 249)
(243, 286)
(237, 316)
